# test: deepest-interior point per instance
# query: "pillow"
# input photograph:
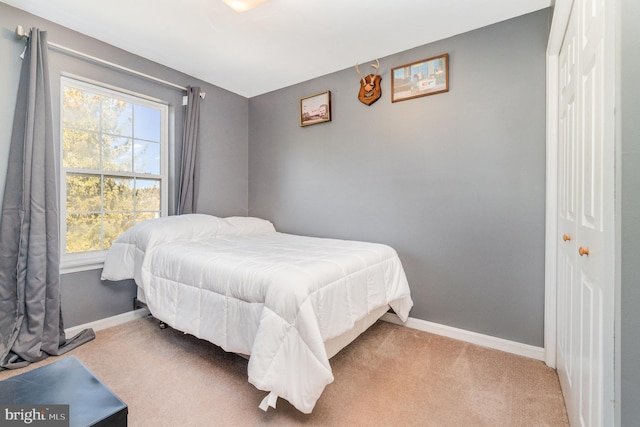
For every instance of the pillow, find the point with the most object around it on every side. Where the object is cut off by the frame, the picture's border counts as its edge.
(119, 264)
(250, 225)
(129, 248)
(174, 228)
(127, 252)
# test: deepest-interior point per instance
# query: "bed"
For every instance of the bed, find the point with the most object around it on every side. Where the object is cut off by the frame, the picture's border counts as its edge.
(288, 302)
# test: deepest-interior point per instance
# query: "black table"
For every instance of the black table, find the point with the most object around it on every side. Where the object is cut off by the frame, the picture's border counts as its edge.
(65, 382)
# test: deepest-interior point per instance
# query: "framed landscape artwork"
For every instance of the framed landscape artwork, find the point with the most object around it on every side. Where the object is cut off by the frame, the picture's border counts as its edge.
(421, 78)
(315, 109)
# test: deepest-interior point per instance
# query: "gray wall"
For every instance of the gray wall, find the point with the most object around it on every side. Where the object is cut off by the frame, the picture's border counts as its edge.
(629, 342)
(224, 140)
(455, 182)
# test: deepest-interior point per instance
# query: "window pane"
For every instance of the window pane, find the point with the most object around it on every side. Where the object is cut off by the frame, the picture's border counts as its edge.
(80, 109)
(118, 194)
(146, 157)
(114, 225)
(143, 216)
(83, 232)
(83, 193)
(117, 154)
(147, 194)
(117, 117)
(80, 149)
(146, 123)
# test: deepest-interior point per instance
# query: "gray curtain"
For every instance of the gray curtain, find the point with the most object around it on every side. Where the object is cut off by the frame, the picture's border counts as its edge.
(31, 326)
(188, 189)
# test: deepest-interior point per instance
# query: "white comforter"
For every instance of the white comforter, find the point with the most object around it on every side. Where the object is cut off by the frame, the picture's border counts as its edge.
(245, 287)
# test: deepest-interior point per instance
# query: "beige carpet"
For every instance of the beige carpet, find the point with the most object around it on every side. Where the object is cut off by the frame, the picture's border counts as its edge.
(389, 376)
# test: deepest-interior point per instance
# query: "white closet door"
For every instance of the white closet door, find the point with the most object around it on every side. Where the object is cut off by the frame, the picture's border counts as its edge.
(585, 293)
(567, 343)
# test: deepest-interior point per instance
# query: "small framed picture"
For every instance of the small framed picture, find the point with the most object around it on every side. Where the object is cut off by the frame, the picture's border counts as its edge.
(315, 109)
(422, 78)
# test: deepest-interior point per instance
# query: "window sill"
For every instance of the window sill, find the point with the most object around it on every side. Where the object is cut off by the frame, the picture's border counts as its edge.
(82, 263)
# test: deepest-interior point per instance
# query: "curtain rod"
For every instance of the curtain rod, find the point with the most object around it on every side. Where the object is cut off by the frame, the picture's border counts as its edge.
(21, 34)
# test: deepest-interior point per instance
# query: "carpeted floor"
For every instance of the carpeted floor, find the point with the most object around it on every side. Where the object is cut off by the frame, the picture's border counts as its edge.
(389, 376)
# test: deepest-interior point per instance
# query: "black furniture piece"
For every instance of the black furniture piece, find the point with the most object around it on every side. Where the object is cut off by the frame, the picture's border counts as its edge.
(67, 382)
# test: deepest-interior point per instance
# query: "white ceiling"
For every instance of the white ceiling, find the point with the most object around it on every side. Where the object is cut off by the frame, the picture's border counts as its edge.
(277, 44)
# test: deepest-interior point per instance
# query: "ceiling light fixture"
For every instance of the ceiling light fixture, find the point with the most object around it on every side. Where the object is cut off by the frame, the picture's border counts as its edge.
(243, 5)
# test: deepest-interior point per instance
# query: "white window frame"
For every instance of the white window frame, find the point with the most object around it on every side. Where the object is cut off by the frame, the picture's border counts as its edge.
(92, 260)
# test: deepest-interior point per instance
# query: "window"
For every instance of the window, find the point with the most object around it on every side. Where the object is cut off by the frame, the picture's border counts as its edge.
(114, 168)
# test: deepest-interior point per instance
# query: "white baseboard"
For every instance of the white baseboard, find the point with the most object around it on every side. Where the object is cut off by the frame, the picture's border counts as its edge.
(108, 322)
(471, 337)
(421, 325)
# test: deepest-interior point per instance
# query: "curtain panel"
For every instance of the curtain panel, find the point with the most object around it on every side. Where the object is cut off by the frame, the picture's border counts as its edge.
(31, 326)
(189, 172)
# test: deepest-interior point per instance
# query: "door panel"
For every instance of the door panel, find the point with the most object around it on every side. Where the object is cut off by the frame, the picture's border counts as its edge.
(583, 292)
(567, 289)
(590, 388)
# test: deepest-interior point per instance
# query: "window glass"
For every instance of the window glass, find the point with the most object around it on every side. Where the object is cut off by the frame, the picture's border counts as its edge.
(117, 117)
(83, 233)
(147, 194)
(113, 164)
(80, 109)
(83, 193)
(147, 123)
(118, 194)
(146, 157)
(80, 149)
(117, 154)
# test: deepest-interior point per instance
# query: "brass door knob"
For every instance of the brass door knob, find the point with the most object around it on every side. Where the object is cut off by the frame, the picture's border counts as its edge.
(583, 251)
(566, 238)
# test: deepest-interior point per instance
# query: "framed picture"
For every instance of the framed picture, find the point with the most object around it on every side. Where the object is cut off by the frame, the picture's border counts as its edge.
(422, 78)
(315, 109)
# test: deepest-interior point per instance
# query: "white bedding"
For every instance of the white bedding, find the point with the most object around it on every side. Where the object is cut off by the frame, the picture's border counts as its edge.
(239, 284)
